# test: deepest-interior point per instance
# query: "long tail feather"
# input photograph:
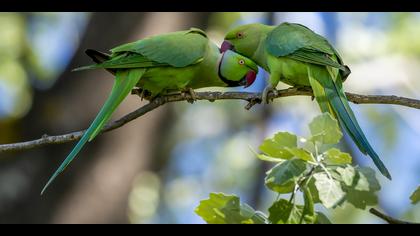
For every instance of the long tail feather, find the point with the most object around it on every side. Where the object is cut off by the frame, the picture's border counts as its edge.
(89, 67)
(125, 80)
(340, 105)
(319, 94)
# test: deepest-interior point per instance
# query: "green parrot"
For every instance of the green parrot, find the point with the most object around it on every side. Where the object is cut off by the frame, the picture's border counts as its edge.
(295, 55)
(161, 64)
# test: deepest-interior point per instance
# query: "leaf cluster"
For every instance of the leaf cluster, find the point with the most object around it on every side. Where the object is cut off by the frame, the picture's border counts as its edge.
(309, 166)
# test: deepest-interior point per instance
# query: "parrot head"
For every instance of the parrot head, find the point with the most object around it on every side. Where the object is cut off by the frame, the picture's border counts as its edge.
(237, 70)
(244, 39)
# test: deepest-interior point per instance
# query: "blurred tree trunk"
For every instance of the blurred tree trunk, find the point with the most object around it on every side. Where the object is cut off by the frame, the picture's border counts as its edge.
(94, 188)
(68, 106)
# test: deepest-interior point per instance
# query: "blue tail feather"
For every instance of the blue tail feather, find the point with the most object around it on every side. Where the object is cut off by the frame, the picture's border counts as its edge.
(342, 109)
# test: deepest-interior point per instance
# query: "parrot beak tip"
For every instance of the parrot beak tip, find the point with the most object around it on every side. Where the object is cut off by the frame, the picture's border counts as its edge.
(226, 46)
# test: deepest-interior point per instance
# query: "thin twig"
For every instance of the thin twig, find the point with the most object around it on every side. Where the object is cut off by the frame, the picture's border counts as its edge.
(388, 219)
(251, 98)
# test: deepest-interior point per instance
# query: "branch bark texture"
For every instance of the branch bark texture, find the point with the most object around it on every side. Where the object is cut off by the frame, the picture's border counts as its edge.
(251, 98)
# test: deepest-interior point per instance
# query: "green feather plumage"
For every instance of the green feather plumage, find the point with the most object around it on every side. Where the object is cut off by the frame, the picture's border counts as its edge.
(159, 64)
(187, 47)
(294, 54)
(300, 43)
(130, 62)
(330, 95)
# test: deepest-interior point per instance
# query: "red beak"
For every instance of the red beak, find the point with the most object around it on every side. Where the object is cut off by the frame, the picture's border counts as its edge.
(250, 78)
(226, 46)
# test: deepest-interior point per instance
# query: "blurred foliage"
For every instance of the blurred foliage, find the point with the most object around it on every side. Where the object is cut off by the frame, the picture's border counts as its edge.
(403, 29)
(415, 197)
(25, 39)
(144, 198)
(223, 21)
(385, 123)
(15, 90)
(54, 38)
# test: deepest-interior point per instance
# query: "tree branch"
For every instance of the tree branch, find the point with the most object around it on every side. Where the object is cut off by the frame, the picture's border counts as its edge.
(388, 219)
(251, 98)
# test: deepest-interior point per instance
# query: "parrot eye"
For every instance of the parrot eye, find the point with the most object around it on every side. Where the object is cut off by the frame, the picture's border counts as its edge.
(239, 35)
(241, 62)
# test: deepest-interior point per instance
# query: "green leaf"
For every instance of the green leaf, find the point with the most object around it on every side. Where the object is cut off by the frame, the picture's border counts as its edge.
(361, 199)
(285, 212)
(325, 129)
(329, 190)
(254, 217)
(348, 174)
(322, 219)
(227, 209)
(283, 177)
(415, 197)
(335, 157)
(367, 180)
(360, 185)
(275, 147)
(334, 174)
(301, 154)
(264, 157)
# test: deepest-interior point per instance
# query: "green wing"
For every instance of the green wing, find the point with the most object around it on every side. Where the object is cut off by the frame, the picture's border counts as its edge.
(315, 58)
(124, 61)
(319, 94)
(300, 43)
(287, 38)
(125, 80)
(129, 62)
(178, 49)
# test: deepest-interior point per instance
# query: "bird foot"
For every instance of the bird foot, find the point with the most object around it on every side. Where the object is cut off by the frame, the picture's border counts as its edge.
(265, 95)
(192, 96)
(142, 93)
